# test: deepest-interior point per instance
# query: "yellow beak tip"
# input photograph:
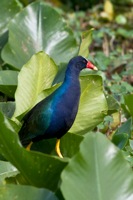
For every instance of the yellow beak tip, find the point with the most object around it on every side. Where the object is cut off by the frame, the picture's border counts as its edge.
(95, 68)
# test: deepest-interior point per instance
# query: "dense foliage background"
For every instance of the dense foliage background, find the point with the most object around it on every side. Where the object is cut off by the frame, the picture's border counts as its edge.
(37, 39)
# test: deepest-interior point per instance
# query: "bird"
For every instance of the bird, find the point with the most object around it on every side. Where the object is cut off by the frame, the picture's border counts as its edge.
(53, 116)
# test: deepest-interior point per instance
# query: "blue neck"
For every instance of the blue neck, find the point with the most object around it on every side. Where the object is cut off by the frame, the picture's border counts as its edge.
(72, 75)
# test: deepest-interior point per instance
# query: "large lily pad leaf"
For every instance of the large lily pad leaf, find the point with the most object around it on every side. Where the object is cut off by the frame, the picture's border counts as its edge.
(93, 106)
(98, 171)
(25, 192)
(8, 9)
(35, 76)
(37, 169)
(40, 28)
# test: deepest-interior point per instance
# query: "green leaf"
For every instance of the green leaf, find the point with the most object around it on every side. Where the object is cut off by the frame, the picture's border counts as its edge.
(7, 108)
(129, 103)
(98, 171)
(120, 140)
(37, 169)
(125, 33)
(6, 170)
(125, 128)
(131, 144)
(3, 41)
(101, 61)
(69, 145)
(8, 9)
(113, 105)
(86, 40)
(122, 134)
(25, 193)
(121, 19)
(34, 77)
(40, 28)
(93, 105)
(8, 82)
(2, 157)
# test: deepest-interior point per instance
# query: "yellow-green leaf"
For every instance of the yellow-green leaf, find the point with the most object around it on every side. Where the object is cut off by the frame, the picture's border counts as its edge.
(86, 40)
(34, 77)
(93, 105)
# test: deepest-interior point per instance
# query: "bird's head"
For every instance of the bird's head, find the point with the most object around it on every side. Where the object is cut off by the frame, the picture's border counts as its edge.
(80, 63)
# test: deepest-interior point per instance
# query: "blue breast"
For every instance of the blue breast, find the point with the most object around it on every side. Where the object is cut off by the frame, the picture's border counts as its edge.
(64, 108)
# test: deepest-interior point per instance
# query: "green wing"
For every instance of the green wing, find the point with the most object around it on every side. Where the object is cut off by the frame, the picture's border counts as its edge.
(36, 121)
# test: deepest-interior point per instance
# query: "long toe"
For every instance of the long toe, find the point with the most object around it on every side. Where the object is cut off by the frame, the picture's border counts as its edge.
(57, 148)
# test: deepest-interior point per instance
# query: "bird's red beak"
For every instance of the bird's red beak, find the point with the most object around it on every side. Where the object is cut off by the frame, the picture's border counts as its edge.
(91, 66)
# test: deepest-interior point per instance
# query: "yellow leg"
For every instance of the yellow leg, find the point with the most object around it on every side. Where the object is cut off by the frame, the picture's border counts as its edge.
(57, 148)
(29, 146)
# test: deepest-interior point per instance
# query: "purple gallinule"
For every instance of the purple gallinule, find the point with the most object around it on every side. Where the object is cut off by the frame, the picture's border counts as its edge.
(54, 115)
